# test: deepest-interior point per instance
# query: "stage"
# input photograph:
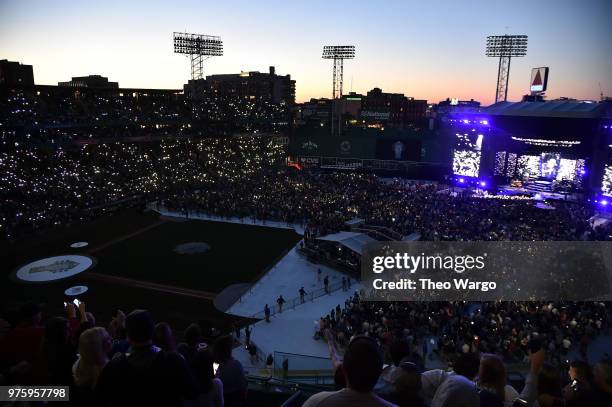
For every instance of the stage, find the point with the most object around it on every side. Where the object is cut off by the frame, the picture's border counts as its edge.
(538, 194)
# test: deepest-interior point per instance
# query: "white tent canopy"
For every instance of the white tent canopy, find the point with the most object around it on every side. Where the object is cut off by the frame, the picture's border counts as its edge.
(352, 240)
(412, 237)
(355, 221)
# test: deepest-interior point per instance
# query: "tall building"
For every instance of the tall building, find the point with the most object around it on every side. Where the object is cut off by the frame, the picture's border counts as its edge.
(376, 109)
(91, 81)
(246, 85)
(351, 105)
(391, 109)
(314, 113)
(15, 74)
(456, 105)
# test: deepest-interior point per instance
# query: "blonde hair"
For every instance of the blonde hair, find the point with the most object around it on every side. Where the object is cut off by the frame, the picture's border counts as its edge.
(92, 356)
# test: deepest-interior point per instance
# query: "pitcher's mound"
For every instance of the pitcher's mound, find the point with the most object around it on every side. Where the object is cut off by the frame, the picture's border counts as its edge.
(192, 248)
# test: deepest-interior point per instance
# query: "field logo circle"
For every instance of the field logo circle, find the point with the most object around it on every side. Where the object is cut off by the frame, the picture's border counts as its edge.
(53, 268)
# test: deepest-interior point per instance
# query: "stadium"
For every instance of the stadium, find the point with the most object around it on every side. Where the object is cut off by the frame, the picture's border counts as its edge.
(225, 245)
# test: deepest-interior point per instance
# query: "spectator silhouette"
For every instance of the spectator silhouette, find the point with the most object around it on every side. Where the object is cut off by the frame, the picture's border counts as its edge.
(602, 376)
(267, 312)
(361, 366)
(146, 375)
(189, 348)
(94, 346)
(230, 372)
(163, 337)
(210, 388)
(280, 301)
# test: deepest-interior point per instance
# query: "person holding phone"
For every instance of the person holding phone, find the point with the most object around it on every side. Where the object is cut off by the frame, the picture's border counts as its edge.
(210, 387)
(579, 391)
(230, 372)
(77, 324)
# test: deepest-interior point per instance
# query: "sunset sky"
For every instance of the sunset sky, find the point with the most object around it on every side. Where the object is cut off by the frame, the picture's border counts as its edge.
(426, 49)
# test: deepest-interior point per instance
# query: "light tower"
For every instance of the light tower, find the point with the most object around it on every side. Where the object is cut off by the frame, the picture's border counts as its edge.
(338, 53)
(199, 47)
(505, 47)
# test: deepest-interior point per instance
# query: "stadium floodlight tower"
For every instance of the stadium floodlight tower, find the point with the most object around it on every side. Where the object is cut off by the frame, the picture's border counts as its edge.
(505, 47)
(199, 47)
(338, 53)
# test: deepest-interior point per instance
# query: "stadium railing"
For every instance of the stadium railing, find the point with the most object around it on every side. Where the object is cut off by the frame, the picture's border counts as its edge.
(262, 274)
(297, 368)
(268, 389)
(291, 304)
(297, 301)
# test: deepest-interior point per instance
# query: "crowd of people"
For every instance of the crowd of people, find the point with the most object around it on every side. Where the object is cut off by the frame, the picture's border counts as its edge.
(136, 361)
(46, 187)
(58, 115)
(508, 329)
(132, 361)
(53, 185)
(328, 200)
(476, 380)
(248, 115)
(245, 177)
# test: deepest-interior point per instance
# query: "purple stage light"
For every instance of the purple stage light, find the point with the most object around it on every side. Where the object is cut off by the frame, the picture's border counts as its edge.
(604, 202)
(466, 121)
(461, 180)
(485, 122)
(483, 183)
(582, 172)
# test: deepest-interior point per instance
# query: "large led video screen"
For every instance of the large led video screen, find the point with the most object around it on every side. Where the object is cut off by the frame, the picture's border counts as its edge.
(606, 184)
(550, 166)
(528, 166)
(466, 163)
(400, 150)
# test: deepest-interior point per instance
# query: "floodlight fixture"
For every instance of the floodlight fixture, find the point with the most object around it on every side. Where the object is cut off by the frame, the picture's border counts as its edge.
(505, 47)
(338, 53)
(198, 47)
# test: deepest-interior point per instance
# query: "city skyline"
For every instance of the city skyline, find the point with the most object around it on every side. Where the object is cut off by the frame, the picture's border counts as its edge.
(427, 51)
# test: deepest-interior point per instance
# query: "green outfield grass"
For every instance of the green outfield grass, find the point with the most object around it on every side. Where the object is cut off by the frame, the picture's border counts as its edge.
(238, 254)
